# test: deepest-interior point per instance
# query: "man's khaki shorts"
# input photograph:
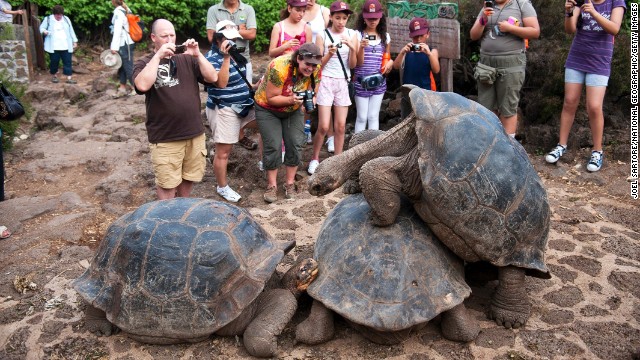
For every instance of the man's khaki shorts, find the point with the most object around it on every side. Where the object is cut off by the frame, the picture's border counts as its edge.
(177, 160)
(225, 124)
(504, 94)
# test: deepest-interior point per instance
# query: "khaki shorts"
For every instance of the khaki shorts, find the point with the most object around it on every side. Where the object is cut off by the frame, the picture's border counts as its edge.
(177, 160)
(225, 124)
(504, 94)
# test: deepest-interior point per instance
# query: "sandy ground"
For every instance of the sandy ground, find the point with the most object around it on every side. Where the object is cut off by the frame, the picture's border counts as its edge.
(85, 163)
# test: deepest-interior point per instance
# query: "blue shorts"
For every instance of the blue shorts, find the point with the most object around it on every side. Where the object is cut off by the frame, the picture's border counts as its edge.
(581, 77)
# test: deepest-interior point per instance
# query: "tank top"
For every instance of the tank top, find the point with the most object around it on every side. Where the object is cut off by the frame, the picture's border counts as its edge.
(317, 24)
(333, 69)
(417, 70)
(284, 37)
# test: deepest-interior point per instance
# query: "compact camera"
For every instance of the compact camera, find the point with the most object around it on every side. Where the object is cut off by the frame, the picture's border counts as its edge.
(180, 49)
(307, 99)
(489, 3)
(371, 37)
(415, 47)
(579, 3)
(337, 44)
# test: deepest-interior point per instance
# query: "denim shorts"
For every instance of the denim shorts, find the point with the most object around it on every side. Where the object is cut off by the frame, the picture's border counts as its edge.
(580, 77)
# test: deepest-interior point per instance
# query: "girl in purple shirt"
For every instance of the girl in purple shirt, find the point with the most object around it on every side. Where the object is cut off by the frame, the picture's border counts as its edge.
(589, 62)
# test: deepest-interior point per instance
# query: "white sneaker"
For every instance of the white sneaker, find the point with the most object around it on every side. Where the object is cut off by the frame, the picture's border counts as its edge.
(554, 155)
(228, 194)
(260, 166)
(330, 147)
(313, 164)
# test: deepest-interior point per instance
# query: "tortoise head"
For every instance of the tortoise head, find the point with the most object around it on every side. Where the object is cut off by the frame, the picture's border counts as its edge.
(327, 178)
(307, 272)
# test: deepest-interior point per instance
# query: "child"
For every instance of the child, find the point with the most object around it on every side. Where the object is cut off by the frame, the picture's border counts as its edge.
(374, 43)
(336, 41)
(416, 59)
(282, 40)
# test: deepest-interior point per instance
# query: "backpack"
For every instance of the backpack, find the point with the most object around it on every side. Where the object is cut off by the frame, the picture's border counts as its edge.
(136, 26)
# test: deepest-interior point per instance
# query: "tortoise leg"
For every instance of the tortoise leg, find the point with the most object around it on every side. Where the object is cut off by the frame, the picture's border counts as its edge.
(510, 305)
(458, 325)
(381, 187)
(275, 309)
(96, 322)
(318, 327)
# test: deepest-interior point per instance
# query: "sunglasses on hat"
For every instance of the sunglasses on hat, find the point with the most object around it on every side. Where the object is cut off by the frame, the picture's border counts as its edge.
(309, 56)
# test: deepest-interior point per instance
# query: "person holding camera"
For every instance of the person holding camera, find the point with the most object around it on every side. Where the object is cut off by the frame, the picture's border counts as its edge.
(595, 24)
(287, 91)
(230, 104)
(340, 46)
(416, 59)
(375, 44)
(172, 98)
(291, 32)
(502, 27)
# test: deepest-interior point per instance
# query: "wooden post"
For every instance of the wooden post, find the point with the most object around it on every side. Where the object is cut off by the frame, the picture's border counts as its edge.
(27, 43)
(446, 74)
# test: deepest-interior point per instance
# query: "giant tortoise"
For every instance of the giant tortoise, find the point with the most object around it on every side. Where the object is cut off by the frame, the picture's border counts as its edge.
(386, 282)
(180, 270)
(470, 182)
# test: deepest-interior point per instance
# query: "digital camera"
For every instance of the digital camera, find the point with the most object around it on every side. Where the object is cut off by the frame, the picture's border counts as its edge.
(180, 49)
(307, 99)
(579, 3)
(337, 44)
(371, 37)
(415, 47)
(489, 3)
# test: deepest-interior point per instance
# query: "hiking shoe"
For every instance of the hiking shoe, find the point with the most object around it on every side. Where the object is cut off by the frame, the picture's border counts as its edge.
(289, 191)
(120, 93)
(596, 161)
(555, 154)
(260, 165)
(330, 146)
(271, 194)
(313, 165)
(228, 194)
(248, 143)
(71, 81)
(55, 80)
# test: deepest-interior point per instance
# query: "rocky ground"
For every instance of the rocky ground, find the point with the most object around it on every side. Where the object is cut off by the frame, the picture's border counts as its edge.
(85, 162)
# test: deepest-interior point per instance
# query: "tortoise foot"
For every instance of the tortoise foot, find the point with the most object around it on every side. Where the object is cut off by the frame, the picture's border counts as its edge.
(510, 305)
(96, 322)
(351, 186)
(458, 325)
(318, 328)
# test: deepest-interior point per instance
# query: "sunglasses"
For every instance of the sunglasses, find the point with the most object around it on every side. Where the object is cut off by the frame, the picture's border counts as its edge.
(173, 69)
(309, 56)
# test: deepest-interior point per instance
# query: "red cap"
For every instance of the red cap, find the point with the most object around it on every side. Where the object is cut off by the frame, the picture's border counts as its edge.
(372, 9)
(297, 3)
(339, 6)
(418, 26)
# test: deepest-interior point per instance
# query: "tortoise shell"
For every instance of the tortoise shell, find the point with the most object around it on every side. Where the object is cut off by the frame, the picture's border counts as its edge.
(482, 197)
(385, 278)
(180, 268)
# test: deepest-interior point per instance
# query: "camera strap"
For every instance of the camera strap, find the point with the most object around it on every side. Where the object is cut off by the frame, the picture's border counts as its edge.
(339, 56)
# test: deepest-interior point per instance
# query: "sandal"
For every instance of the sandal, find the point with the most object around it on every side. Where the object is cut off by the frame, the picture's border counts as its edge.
(4, 233)
(55, 80)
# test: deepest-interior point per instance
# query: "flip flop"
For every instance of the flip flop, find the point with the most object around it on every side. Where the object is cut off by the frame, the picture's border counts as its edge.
(4, 233)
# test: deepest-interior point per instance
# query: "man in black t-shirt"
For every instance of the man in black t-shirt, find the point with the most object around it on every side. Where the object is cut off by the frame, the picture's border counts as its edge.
(174, 126)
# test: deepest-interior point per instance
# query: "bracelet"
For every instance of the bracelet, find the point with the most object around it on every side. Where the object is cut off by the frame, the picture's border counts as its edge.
(483, 22)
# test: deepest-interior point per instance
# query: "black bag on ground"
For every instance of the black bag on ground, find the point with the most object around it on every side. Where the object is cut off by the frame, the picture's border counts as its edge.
(10, 107)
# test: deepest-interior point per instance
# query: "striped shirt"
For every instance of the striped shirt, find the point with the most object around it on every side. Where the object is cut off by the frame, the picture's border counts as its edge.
(372, 63)
(592, 48)
(236, 91)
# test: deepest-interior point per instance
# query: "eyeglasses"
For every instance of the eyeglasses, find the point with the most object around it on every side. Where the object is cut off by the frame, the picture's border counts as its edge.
(173, 69)
(309, 56)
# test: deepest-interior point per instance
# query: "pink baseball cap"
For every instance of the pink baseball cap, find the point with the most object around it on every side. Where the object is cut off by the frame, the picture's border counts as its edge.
(297, 3)
(372, 9)
(340, 6)
(418, 26)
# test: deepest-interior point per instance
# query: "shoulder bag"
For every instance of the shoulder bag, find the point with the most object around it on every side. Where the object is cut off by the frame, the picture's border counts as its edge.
(10, 107)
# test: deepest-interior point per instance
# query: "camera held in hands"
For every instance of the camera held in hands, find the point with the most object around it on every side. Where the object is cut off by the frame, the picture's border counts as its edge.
(371, 37)
(415, 47)
(180, 49)
(579, 3)
(337, 44)
(488, 4)
(307, 99)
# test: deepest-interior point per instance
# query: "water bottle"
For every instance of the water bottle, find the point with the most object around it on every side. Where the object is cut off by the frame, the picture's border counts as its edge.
(307, 131)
